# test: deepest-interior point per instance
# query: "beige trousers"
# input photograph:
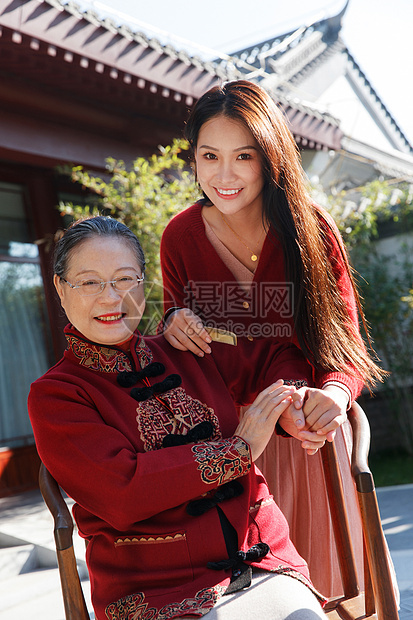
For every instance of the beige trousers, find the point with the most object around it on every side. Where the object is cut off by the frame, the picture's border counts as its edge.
(270, 597)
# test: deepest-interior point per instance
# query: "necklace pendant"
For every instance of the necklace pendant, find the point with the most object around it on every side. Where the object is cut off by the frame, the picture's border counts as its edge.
(254, 257)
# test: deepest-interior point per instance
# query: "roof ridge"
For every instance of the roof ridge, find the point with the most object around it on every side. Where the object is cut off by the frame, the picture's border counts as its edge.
(333, 23)
(227, 70)
(379, 100)
(328, 50)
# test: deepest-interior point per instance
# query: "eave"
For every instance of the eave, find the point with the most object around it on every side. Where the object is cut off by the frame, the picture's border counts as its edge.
(85, 70)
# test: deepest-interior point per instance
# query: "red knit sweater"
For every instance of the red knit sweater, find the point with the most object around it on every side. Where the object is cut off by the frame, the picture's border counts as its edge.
(194, 276)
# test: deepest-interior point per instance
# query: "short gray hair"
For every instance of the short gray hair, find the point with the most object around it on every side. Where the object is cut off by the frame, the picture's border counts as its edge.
(98, 226)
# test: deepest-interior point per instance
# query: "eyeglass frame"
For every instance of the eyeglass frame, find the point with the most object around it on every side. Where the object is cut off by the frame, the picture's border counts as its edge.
(103, 284)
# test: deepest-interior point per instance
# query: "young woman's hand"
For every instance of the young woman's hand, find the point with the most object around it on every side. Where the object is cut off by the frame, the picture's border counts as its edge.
(315, 415)
(324, 410)
(185, 331)
(258, 422)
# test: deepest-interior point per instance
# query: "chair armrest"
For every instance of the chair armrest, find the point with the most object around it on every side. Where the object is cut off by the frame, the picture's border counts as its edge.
(361, 446)
(63, 522)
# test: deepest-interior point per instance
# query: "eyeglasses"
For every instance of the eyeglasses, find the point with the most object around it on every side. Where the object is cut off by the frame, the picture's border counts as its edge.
(94, 287)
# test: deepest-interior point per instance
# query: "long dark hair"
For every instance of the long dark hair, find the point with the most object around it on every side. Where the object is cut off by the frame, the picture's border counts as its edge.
(322, 322)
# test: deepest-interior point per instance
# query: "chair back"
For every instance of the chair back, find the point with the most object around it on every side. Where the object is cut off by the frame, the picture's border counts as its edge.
(73, 598)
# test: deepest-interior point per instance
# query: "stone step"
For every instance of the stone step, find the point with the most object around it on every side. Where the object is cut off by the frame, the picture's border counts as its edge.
(31, 586)
(15, 561)
(34, 595)
(16, 552)
(18, 556)
(30, 582)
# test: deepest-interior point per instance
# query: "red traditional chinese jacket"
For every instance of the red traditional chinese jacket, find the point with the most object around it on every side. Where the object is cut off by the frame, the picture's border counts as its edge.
(157, 514)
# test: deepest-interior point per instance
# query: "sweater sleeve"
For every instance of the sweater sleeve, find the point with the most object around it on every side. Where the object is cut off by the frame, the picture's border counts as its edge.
(336, 253)
(249, 369)
(100, 469)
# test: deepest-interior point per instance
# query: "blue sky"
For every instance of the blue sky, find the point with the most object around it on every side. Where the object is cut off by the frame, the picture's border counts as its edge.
(377, 32)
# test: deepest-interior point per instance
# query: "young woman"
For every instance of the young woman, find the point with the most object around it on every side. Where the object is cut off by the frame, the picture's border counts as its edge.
(258, 258)
(147, 441)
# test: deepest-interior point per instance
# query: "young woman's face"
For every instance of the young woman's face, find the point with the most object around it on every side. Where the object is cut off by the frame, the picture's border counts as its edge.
(229, 166)
(111, 316)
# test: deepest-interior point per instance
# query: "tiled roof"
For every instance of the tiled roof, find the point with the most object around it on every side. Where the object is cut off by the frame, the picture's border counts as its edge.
(307, 41)
(218, 69)
(379, 102)
(61, 30)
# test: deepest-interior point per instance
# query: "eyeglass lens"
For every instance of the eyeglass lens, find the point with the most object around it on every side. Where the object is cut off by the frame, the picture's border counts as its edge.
(94, 287)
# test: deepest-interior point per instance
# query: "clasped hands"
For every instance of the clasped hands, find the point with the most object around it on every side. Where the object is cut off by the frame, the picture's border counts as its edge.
(314, 415)
(310, 415)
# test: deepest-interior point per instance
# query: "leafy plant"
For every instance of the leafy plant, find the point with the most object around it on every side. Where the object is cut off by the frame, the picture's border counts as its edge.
(362, 214)
(385, 281)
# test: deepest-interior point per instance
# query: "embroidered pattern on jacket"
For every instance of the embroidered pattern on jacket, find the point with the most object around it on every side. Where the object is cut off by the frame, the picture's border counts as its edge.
(143, 352)
(155, 420)
(222, 460)
(101, 359)
(105, 359)
(298, 383)
(133, 607)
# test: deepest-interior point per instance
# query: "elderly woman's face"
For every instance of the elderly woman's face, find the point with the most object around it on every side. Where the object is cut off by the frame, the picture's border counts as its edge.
(111, 316)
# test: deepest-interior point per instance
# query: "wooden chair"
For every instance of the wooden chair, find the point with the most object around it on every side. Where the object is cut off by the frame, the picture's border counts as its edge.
(378, 599)
(74, 601)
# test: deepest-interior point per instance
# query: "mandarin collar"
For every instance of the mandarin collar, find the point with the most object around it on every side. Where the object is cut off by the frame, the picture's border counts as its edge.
(109, 358)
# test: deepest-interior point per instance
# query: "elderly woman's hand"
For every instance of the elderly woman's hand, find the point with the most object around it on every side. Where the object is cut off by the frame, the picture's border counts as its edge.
(185, 331)
(258, 422)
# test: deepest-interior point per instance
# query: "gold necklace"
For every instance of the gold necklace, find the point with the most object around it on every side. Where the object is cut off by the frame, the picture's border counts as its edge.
(254, 256)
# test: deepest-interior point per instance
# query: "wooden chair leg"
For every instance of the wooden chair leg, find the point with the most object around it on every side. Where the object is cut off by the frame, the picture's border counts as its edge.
(375, 544)
(378, 600)
(73, 599)
(368, 586)
(340, 521)
(376, 550)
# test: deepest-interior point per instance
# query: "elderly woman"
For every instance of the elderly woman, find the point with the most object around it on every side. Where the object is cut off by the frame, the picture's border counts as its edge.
(147, 441)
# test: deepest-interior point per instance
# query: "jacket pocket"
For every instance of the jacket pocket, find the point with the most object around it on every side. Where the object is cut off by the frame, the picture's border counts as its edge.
(156, 560)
